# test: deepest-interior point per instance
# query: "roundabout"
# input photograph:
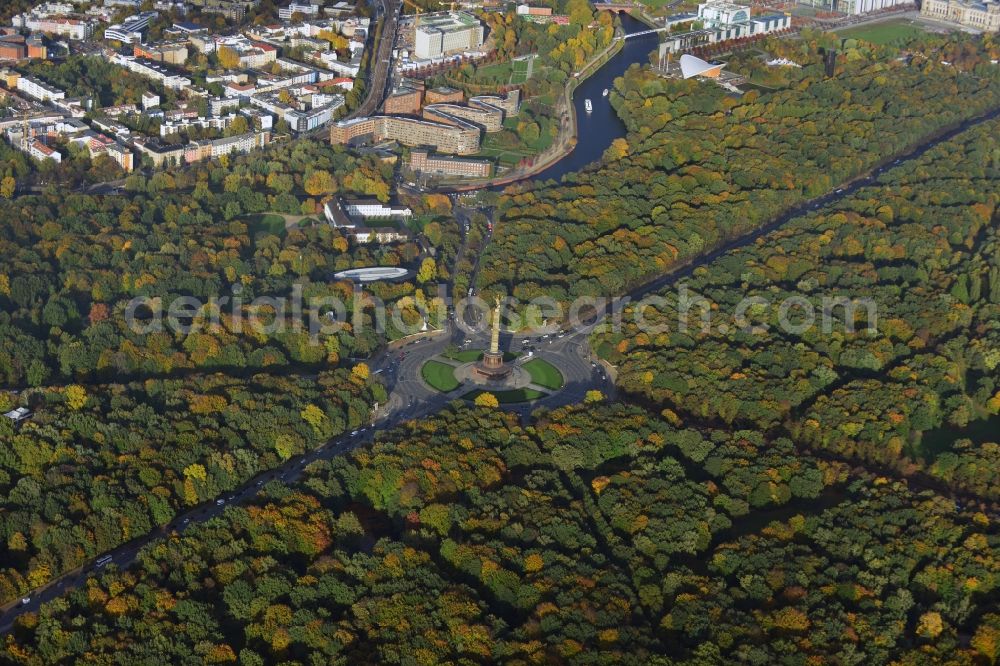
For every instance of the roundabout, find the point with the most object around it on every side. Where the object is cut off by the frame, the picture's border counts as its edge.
(510, 378)
(522, 379)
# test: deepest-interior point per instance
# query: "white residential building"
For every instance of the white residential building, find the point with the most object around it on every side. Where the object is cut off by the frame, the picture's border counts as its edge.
(41, 152)
(39, 90)
(152, 70)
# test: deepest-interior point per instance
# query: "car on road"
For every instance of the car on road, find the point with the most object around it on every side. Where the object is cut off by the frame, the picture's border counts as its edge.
(25, 601)
(354, 433)
(185, 521)
(220, 502)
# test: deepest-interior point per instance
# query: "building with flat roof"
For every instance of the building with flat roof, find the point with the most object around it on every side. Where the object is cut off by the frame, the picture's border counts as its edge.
(132, 29)
(983, 16)
(158, 153)
(854, 7)
(441, 165)
(304, 9)
(443, 33)
(336, 214)
(13, 49)
(172, 53)
(444, 95)
(462, 138)
(724, 21)
(152, 70)
(21, 413)
(490, 119)
(403, 100)
(39, 90)
(373, 208)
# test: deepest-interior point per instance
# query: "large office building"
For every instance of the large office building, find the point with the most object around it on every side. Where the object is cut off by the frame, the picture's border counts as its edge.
(131, 30)
(461, 138)
(443, 33)
(724, 21)
(304, 9)
(854, 7)
(983, 16)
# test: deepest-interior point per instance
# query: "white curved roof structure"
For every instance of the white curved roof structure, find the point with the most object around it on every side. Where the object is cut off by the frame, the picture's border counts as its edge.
(692, 66)
(373, 274)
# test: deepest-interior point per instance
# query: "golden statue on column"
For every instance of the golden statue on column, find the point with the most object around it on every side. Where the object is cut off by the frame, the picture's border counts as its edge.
(492, 365)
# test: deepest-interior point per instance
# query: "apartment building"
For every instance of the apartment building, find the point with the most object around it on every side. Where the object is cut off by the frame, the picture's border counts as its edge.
(152, 70)
(39, 90)
(403, 100)
(158, 153)
(444, 95)
(462, 138)
(172, 53)
(234, 10)
(41, 152)
(489, 119)
(13, 49)
(440, 165)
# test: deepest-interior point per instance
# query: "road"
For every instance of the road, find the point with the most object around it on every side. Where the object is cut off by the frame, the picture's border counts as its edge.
(381, 63)
(410, 398)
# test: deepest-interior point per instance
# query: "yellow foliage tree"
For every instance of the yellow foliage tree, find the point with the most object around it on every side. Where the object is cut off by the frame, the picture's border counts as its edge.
(76, 396)
(486, 400)
(930, 625)
(228, 58)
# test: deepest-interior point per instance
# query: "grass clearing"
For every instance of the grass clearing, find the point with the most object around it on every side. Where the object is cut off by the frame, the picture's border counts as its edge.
(888, 32)
(267, 224)
(544, 373)
(440, 376)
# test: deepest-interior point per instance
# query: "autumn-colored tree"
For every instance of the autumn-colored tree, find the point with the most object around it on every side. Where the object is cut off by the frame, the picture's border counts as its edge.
(228, 57)
(486, 399)
(7, 187)
(76, 396)
(319, 182)
(427, 271)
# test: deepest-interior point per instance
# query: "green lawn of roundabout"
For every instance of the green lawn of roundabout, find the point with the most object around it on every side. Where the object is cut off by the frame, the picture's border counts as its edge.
(440, 376)
(544, 374)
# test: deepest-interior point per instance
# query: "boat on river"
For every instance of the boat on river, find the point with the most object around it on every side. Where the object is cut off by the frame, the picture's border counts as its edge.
(605, 93)
(587, 105)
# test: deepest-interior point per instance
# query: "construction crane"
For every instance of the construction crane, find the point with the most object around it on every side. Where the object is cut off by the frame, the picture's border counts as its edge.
(416, 8)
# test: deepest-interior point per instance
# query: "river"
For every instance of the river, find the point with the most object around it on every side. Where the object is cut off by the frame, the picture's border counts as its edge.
(596, 130)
